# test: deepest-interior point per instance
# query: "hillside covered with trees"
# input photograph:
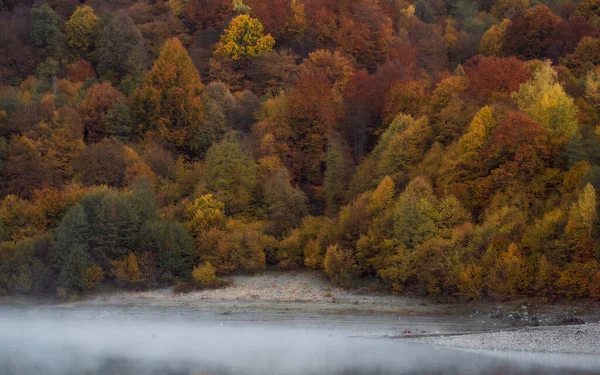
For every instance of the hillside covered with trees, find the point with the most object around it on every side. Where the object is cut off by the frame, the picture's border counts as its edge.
(445, 148)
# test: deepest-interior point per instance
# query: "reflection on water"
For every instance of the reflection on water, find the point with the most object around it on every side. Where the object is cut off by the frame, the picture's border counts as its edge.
(73, 344)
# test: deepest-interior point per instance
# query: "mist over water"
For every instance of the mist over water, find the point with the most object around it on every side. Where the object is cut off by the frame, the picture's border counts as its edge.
(74, 343)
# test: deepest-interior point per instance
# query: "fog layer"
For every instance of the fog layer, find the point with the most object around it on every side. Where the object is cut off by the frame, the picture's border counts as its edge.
(69, 343)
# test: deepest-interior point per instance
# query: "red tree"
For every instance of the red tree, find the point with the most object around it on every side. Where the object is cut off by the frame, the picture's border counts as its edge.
(99, 100)
(519, 147)
(80, 71)
(494, 77)
(525, 37)
(273, 14)
(313, 110)
(208, 13)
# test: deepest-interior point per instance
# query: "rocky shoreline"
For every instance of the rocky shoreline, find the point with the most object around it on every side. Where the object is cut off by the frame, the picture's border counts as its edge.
(573, 339)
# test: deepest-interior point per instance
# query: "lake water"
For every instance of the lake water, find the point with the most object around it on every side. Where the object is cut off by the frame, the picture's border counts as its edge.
(111, 341)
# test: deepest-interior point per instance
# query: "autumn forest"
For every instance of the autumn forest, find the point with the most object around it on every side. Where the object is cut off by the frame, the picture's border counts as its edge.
(441, 148)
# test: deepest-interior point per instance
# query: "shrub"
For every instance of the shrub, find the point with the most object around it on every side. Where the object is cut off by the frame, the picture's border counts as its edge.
(470, 281)
(128, 270)
(240, 246)
(204, 274)
(289, 252)
(173, 245)
(312, 254)
(93, 276)
(338, 264)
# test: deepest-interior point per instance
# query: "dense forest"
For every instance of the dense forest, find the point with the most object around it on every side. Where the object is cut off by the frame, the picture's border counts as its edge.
(447, 148)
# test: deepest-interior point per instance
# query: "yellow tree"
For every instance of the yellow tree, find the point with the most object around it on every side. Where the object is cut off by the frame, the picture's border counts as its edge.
(506, 274)
(169, 105)
(204, 274)
(338, 264)
(544, 99)
(82, 28)
(240, 7)
(244, 38)
(383, 196)
(204, 213)
(128, 270)
(493, 39)
(592, 86)
(297, 23)
(582, 219)
(589, 9)
(479, 131)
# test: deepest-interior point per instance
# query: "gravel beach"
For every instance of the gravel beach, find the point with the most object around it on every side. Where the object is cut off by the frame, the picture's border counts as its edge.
(579, 339)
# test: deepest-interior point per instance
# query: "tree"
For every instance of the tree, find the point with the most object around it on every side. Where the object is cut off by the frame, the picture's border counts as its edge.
(585, 57)
(335, 66)
(286, 204)
(208, 13)
(526, 36)
(173, 245)
(492, 41)
(582, 219)
(128, 270)
(567, 36)
(24, 156)
(82, 28)
(590, 9)
(203, 214)
(99, 100)
(336, 175)
(239, 246)
(479, 131)
(115, 226)
(219, 104)
(362, 109)
(431, 48)
(119, 48)
(297, 22)
(70, 256)
(45, 30)
(338, 264)
(204, 274)
(383, 196)
(169, 105)
(415, 215)
(507, 9)
(494, 77)
(365, 34)
(80, 71)
(520, 147)
(46, 73)
(19, 56)
(272, 130)
(507, 274)
(312, 112)
(117, 121)
(243, 38)
(424, 11)
(59, 140)
(103, 163)
(273, 14)
(404, 97)
(544, 99)
(401, 147)
(592, 86)
(231, 174)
